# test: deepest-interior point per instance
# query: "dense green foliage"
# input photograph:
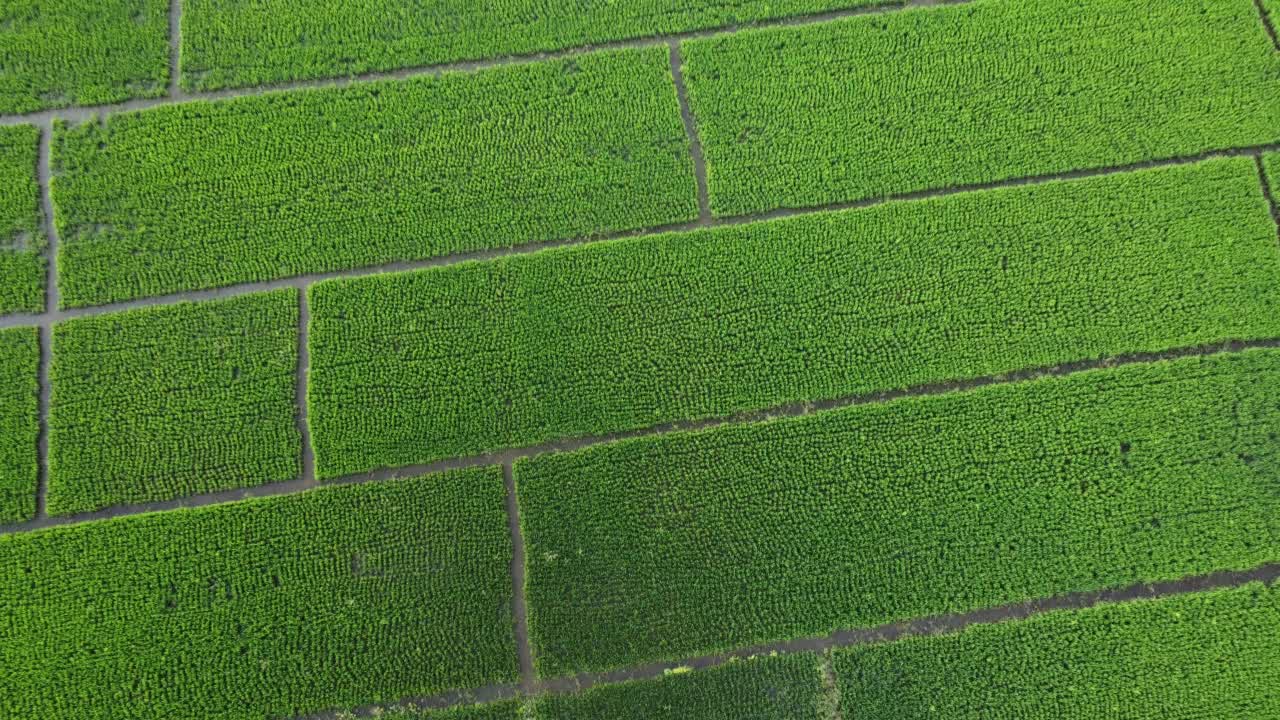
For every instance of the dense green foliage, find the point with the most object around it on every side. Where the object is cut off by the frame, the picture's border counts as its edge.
(21, 238)
(985, 91)
(205, 194)
(1204, 656)
(233, 43)
(453, 361)
(782, 687)
(261, 608)
(167, 401)
(19, 424)
(81, 52)
(690, 543)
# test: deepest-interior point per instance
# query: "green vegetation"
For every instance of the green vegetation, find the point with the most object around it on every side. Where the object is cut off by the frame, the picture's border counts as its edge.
(938, 97)
(176, 400)
(262, 608)
(81, 52)
(782, 687)
(255, 42)
(692, 543)
(453, 361)
(21, 238)
(19, 423)
(205, 194)
(1194, 657)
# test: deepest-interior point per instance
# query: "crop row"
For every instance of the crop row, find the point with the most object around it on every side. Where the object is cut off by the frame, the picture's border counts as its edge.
(1201, 656)
(176, 400)
(262, 608)
(22, 265)
(272, 41)
(19, 423)
(693, 543)
(205, 194)
(985, 91)
(81, 52)
(413, 367)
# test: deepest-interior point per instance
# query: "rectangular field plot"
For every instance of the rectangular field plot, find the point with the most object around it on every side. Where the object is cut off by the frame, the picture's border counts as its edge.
(205, 194)
(984, 91)
(22, 239)
(414, 367)
(692, 543)
(783, 687)
(19, 424)
(275, 607)
(168, 401)
(81, 52)
(233, 44)
(1202, 656)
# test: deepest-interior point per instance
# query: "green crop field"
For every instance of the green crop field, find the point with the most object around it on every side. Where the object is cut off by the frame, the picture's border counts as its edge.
(202, 195)
(22, 264)
(980, 92)
(619, 335)
(81, 52)
(261, 608)
(1198, 657)
(238, 43)
(19, 364)
(611, 359)
(162, 402)
(752, 533)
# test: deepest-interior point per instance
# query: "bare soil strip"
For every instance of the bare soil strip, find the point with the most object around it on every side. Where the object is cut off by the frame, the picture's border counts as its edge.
(1268, 191)
(175, 49)
(1266, 23)
(519, 606)
(691, 129)
(43, 173)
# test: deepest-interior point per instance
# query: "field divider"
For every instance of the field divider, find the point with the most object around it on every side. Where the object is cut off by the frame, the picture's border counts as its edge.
(308, 456)
(54, 315)
(44, 173)
(1266, 24)
(175, 50)
(519, 604)
(932, 625)
(510, 455)
(1268, 192)
(691, 130)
